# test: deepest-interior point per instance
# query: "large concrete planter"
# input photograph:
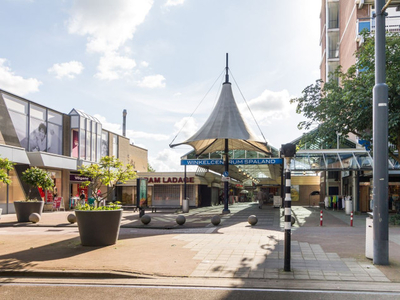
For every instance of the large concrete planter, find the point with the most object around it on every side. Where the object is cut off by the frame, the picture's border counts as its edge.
(24, 209)
(98, 227)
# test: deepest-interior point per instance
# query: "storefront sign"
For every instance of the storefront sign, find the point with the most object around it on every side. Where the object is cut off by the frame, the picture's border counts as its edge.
(169, 179)
(235, 161)
(74, 177)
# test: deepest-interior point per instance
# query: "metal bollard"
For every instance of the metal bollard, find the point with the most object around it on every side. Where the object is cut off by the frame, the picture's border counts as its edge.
(351, 219)
(321, 218)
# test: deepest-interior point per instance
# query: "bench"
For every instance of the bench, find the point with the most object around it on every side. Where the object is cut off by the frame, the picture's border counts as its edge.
(134, 208)
(155, 207)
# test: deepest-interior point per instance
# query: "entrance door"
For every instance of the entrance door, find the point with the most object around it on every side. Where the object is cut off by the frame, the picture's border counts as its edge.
(364, 198)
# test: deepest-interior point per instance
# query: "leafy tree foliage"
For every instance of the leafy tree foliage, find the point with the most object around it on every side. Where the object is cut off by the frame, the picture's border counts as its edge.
(108, 172)
(345, 105)
(36, 178)
(150, 168)
(5, 166)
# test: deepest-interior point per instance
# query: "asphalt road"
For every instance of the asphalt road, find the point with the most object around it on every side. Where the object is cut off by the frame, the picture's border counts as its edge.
(103, 291)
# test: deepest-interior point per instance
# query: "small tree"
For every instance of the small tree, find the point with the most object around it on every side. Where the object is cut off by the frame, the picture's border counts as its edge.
(108, 172)
(5, 166)
(37, 178)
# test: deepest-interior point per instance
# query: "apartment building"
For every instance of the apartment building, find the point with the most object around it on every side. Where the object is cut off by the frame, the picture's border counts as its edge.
(341, 24)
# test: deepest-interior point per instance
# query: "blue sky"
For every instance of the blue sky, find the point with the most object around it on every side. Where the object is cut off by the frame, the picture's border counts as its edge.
(158, 58)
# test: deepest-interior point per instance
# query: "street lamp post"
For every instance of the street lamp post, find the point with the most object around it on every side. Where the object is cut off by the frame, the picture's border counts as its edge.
(380, 139)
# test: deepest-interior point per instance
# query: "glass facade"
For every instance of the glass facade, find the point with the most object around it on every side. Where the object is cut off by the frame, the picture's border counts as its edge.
(37, 128)
(88, 129)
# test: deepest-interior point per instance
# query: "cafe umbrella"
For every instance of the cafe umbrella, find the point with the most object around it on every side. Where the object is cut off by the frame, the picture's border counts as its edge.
(224, 130)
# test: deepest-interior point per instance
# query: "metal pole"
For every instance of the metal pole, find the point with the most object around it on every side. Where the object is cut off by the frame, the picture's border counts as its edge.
(288, 216)
(184, 185)
(380, 138)
(226, 183)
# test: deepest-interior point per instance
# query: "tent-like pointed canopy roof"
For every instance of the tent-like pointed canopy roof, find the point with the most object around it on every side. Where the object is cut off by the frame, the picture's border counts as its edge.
(225, 123)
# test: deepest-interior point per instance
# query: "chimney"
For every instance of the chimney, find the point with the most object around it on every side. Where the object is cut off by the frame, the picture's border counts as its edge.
(124, 113)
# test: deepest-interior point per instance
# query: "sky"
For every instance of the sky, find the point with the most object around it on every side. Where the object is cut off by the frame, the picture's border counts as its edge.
(163, 61)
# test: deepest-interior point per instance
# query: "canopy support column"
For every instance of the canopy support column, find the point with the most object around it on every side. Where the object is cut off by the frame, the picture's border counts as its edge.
(226, 183)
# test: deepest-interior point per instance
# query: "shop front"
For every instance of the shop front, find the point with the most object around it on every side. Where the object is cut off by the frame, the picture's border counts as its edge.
(168, 189)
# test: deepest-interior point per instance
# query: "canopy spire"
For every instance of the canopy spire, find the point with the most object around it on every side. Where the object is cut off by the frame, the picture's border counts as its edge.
(226, 69)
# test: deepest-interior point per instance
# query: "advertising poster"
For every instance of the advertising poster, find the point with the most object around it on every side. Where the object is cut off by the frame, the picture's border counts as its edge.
(295, 192)
(141, 192)
(38, 136)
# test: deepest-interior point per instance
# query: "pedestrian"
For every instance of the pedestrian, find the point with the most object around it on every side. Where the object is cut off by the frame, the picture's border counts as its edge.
(260, 199)
(83, 197)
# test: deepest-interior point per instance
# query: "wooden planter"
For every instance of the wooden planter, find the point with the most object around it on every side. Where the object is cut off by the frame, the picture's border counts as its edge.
(98, 227)
(24, 209)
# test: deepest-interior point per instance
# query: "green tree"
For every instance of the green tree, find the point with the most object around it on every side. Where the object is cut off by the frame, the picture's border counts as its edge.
(345, 105)
(108, 172)
(5, 166)
(150, 168)
(36, 178)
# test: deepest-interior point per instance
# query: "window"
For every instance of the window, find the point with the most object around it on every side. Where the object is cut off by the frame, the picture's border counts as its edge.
(104, 143)
(167, 194)
(18, 110)
(54, 134)
(115, 146)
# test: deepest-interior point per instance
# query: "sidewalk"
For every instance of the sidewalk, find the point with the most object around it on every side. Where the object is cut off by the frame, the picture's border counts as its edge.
(233, 250)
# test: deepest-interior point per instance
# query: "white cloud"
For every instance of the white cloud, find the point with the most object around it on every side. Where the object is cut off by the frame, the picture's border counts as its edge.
(113, 66)
(186, 127)
(108, 24)
(167, 160)
(269, 106)
(144, 64)
(68, 69)
(113, 127)
(131, 134)
(154, 81)
(145, 135)
(16, 84)
(174, 2)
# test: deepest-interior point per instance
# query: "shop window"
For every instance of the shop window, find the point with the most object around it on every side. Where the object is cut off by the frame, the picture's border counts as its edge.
(166, 195)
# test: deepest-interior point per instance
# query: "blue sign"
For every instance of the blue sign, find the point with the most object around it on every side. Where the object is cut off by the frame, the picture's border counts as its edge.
(225, 174)
(235, 161)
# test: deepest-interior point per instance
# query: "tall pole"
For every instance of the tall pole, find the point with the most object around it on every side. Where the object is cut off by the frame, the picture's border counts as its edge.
(288, 215)
(184, 185)
(124, 113)
(226, 163)
(380, 138)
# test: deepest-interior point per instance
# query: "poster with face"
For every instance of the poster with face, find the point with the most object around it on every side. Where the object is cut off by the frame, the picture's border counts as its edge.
(37, 135)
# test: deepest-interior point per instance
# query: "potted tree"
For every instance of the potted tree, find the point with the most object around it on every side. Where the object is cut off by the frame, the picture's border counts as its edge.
(35, 178)
(99, 224)
(5, 166)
